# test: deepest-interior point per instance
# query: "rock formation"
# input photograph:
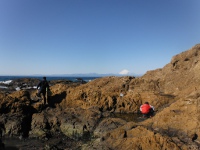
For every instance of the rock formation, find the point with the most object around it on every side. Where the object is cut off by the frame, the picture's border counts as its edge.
(83, 112)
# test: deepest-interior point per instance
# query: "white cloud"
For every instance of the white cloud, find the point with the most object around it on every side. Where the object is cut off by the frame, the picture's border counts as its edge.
(124, 72)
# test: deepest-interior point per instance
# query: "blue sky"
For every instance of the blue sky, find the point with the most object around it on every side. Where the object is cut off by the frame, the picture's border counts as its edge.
(94, 36)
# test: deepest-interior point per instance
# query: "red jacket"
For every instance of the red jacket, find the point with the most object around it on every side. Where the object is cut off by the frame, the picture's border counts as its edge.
(145, 108)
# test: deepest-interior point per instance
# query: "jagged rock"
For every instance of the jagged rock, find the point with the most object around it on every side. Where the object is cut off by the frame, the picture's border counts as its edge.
(107, 125)
(139, 138)
(72, 122)
(79, 121)
(82, 110)
(15, 125)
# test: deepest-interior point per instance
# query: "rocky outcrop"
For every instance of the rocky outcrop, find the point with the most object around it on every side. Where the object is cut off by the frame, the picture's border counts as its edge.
(83, 112)
(138, 138)
(160, 87)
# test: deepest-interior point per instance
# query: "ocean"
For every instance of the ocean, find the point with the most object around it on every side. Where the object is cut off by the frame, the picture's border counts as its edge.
(4, 79)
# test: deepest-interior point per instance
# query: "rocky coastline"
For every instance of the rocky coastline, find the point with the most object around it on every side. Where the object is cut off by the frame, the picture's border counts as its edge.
(84, 115)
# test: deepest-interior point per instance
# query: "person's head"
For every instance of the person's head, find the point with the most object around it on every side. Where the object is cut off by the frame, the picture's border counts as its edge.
(44, 78)
(147, 103)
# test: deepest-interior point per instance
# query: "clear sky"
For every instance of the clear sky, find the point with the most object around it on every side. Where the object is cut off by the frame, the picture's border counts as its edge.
(94, 36)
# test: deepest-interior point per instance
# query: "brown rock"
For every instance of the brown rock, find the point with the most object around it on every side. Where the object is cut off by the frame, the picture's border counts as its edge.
(77, 109)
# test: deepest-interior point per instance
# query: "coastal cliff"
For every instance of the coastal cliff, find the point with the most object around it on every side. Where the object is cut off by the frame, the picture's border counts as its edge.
(82, 113)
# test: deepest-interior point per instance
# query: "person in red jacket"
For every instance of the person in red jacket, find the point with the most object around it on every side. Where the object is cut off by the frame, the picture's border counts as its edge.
(147, 110)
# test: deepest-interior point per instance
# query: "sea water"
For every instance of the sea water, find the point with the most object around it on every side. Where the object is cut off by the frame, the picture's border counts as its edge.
(7, 79)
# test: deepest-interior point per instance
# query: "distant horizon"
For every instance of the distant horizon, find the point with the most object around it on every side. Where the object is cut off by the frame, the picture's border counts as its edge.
(75, 74)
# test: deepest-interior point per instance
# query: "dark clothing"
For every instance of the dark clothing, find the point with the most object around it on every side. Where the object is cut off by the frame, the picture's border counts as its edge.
(150, 113)
(43, 87)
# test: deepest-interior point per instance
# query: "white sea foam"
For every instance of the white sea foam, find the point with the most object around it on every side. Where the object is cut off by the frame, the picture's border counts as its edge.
(6, 82)
(3, 87)
(17, 89)
(25, 88)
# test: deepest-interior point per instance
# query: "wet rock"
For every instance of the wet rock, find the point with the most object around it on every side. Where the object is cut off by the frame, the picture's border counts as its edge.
(13, 125)
(107, 125)
(2, 145)
(79, 121)
(74, 123)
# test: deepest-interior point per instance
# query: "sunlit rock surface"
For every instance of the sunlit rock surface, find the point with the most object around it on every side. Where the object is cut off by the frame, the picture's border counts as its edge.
(83, 113)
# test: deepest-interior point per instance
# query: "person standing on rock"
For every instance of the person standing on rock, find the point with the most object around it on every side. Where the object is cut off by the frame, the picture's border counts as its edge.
(147, 110)
(43, 87)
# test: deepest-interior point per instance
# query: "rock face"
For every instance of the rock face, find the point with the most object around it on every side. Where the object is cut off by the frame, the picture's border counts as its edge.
(83, 112)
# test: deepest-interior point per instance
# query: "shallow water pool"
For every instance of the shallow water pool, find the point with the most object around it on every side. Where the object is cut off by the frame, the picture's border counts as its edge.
(135, 117)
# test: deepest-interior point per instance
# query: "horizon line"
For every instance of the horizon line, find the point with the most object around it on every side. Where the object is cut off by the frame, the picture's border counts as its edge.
(74, 74)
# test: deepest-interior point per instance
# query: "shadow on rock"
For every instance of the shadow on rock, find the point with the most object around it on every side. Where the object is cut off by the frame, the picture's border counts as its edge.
(11, 148)
(56, 99)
